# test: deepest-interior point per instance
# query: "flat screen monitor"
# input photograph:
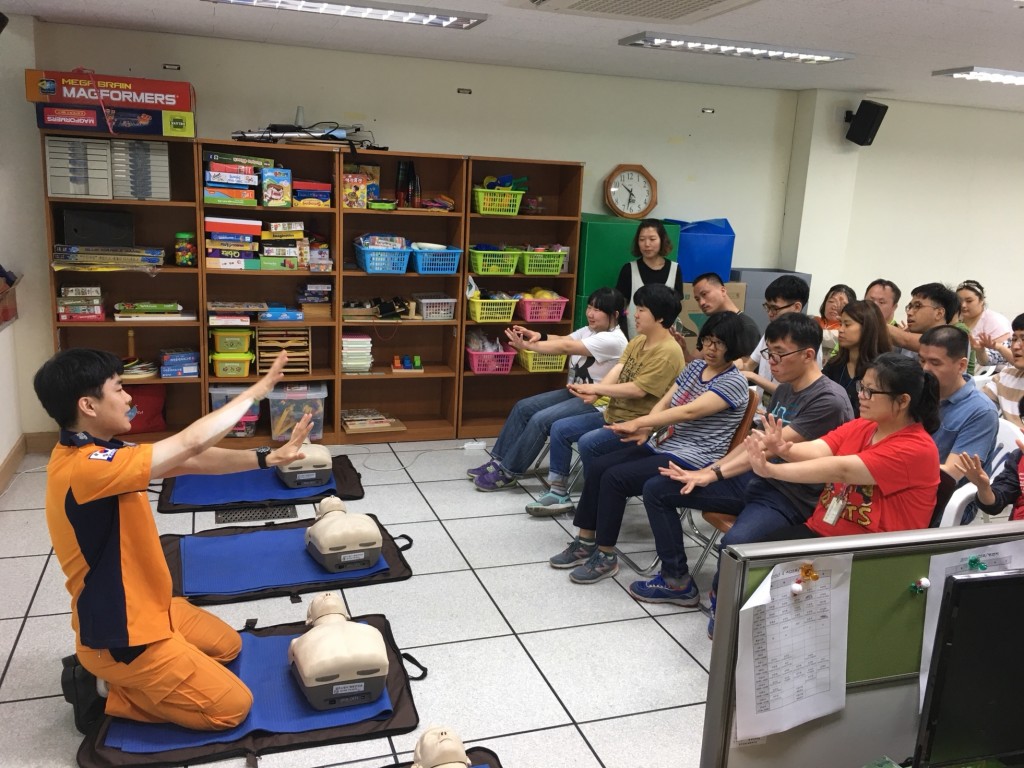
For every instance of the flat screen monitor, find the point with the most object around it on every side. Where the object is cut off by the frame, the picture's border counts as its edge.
(974, 701)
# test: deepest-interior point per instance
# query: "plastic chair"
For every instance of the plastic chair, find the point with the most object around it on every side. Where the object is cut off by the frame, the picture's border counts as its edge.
(1007, 435)
(720, 521)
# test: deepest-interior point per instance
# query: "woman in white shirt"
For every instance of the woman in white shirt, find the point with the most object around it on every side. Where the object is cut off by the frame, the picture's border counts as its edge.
(594, 350)
(989, 330)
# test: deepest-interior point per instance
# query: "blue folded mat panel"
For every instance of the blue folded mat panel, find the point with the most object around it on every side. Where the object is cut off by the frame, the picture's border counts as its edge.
(255, 485)
(250, 561)
(278, 705)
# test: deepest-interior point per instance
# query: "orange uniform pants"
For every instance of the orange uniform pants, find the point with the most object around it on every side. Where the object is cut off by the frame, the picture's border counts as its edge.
(181, 679)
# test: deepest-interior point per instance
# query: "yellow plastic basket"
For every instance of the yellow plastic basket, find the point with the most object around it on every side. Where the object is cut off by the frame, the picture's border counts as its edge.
(497, 202)
(540, 262)
(492, 310)
(539, 362)
(493, 262)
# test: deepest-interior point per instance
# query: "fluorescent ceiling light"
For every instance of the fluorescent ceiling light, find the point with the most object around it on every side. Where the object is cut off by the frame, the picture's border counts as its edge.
(984, 74)
(734, 48)
(406, 14)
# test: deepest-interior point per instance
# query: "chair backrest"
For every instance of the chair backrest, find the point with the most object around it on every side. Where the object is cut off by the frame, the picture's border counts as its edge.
(1007, 435)
(748, 419)
(947, 484)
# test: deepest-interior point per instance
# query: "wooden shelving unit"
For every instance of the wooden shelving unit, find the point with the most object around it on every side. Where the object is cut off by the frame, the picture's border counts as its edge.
(446, 400)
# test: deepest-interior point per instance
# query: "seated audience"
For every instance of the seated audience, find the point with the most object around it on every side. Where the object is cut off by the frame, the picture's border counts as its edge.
(837, 297)
(651, 246)
(633, 386)
(881, 471)
(783, 295)
(989, 330)
(808, 405)
(862, 338)
(885, 295)
(697, 418)
(931, 305)
(968, 418)
(594, 350)
(1006, 490)
(1007, 387)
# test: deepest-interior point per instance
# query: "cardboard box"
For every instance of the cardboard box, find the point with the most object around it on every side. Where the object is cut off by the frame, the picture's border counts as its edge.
(108, 90)
(116, 120)
(691, 319)
(277, 187)
(354, 191)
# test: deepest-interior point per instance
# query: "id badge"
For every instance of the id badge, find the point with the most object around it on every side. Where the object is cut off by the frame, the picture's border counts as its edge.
(663, 434)
(835, 508)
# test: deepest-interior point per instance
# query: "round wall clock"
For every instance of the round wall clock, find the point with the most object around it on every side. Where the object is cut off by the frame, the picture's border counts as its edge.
(631, 191)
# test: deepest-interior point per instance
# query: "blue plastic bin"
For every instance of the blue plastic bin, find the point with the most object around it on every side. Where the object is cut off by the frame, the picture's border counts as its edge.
(705, 246)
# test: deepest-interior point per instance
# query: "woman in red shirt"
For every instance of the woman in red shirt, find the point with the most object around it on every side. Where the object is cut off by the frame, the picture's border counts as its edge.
(881, 471)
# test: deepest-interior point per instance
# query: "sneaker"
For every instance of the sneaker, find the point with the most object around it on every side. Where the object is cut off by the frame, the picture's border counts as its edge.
(656, 590)
(711, 622)
(482, 470)
(494, 480)
(598, 566)
(576, 553)
(550, 504)
(79, 688)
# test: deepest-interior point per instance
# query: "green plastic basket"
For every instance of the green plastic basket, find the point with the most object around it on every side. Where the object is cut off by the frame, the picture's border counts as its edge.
(540, 262)
(497, 202)
(493, 262)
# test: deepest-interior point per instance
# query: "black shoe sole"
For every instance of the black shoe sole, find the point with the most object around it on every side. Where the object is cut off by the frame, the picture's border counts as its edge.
(79, 688)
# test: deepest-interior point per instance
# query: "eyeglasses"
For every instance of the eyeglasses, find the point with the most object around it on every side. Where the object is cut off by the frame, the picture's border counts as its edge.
(709, 343)
(776, 357)
(772, 309)
(916, 305)
(867, 392)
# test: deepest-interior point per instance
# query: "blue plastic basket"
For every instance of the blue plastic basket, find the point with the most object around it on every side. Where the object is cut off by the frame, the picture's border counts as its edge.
(436, 262)
(383, 261)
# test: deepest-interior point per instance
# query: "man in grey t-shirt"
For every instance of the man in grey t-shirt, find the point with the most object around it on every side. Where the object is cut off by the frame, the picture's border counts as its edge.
(809, 405)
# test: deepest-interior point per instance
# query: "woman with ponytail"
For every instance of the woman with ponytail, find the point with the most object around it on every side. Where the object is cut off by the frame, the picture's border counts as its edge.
(881, 471)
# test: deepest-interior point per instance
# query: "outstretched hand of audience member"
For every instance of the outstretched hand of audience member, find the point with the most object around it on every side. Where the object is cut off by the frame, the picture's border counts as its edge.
(773, 439)
(755, 444)
(689, 478)
(973, 469)
(629, 432)
(584, 392)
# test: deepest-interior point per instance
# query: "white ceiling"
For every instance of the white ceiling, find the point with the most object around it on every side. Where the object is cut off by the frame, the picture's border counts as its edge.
(896, 43)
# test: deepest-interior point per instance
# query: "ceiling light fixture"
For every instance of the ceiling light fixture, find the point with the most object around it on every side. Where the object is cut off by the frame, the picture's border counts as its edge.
(984, 74)
(735, 48)
(405, 14)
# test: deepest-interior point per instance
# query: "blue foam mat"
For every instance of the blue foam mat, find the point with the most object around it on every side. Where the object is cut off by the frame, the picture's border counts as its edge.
(278, 705)
(256, 485)
(260, 559)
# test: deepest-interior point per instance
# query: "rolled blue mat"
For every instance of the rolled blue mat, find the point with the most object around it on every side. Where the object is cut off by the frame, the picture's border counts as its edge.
(245, 562)
(256, 485)
(278, 705)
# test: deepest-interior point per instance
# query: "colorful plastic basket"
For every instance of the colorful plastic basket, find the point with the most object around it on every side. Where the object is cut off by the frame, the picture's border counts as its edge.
(490, 363)
(435, 306)
(492, 310)
(382, 261)
(436, 262)
(540, 262)
(541, 310)
(497, 202)
(493, 262)
(539, 362)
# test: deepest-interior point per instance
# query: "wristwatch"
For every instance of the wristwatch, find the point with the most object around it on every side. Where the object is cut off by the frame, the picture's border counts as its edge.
(261, 455)
(717, 469)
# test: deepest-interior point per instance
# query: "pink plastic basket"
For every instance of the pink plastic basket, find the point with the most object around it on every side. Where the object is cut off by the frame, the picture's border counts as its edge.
(541, 310)
(490, 362)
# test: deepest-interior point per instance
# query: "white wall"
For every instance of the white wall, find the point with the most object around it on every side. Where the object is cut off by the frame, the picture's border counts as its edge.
(27, 342)
(733, 163)
(938, 198)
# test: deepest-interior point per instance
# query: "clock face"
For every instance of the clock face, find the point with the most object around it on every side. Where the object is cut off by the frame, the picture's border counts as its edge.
(630, 193)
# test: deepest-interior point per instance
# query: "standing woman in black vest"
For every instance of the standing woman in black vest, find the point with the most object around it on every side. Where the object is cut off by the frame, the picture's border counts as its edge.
(650, 247)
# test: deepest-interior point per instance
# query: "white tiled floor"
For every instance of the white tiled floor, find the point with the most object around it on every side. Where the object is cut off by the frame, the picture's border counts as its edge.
(542, 671)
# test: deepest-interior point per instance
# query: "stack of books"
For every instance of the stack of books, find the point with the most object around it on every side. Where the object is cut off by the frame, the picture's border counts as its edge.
(87, 256)
(233, 179)
(232, 243)
(315, 300)
(284, 246)
(356, 353)
(135, 311)
(81, 304)
(179, 363)
(233, 312)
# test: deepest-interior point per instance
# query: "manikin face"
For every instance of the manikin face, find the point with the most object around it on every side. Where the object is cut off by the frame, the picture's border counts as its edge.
(648, 242)
(883, 298)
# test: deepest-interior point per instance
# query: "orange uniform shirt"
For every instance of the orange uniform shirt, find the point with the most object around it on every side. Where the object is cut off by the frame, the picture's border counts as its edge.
(105, 538)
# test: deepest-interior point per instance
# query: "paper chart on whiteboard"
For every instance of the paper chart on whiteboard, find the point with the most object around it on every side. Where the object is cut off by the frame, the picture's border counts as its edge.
(791, 661)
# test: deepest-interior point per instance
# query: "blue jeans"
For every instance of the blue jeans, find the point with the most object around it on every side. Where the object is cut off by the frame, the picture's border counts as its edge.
(528, 424)
(565, 432)
(761, 509)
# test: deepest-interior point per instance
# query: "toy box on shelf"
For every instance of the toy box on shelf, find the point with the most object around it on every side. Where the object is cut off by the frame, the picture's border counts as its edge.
(289, 402)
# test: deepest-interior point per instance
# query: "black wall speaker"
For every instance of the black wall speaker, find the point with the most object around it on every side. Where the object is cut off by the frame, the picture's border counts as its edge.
(3, 22)
(864, 125)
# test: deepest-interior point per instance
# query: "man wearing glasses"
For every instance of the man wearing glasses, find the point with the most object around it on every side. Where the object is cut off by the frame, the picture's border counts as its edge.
(808, 404)
(931, 305)
(783, 295)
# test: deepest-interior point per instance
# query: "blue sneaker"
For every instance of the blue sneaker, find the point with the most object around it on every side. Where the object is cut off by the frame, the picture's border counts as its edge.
(599, 565)
(711, 622)
(551, 504)
(494, 481)
(576, 553)
(482, 470)
(656, 590)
